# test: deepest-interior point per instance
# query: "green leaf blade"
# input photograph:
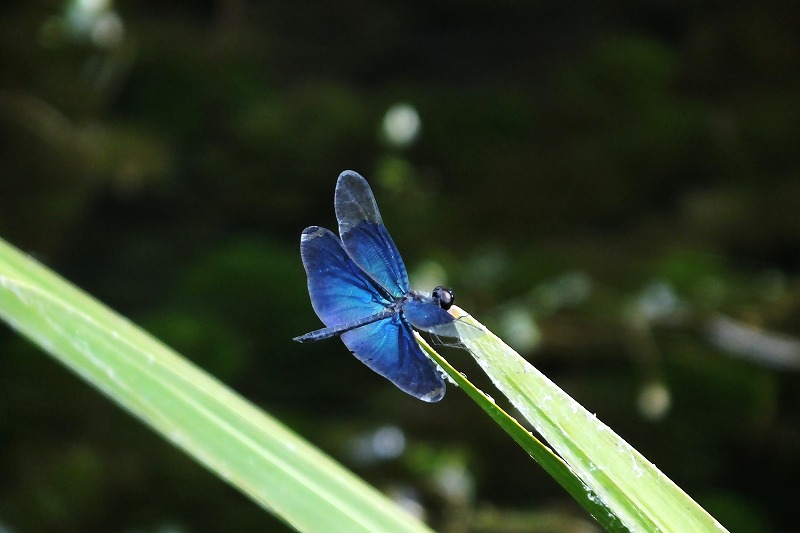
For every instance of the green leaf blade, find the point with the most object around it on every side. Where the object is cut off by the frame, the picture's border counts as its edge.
(243, 445)
(543, 455)
(629, 485)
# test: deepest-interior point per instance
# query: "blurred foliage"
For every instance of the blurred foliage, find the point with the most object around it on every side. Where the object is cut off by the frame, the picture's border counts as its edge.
(613, 188)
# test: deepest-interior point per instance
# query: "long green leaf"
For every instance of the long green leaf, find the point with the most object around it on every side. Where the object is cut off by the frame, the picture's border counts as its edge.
(631, 487)
(543, 455)
(243, 445)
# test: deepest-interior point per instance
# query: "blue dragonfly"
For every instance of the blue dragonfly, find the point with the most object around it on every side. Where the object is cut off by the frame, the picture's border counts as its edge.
(359, 289)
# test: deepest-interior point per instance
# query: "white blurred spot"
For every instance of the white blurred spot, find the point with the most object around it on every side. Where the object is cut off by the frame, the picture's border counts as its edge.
(567, 290)
(654, 400)
(657, 302)
(95, 20)
(108, 30)
(383, 444)
(93, 6)
(409, 500)
(83, 13)
(401, 124)
(454, 482)
(388, 442)
(768, 348)
(519, 328)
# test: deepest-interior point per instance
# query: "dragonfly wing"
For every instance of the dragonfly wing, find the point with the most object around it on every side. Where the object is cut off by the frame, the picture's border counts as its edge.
(389, 348)
(427, 316)
(340, 292)
(365, 237)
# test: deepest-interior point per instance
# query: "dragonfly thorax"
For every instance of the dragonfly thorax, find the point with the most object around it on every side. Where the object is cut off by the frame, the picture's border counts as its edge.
(440, 297)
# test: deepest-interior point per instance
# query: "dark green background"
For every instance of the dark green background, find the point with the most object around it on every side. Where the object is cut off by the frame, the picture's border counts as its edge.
(626, 177)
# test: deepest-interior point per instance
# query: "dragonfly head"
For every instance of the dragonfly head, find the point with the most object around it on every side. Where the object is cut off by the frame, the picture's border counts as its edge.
(443, 297)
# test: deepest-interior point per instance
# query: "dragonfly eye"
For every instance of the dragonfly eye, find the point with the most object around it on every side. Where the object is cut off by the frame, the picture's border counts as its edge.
(443, 297)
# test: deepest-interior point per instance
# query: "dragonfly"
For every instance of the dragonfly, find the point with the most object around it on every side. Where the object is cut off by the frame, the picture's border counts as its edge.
(359, 288)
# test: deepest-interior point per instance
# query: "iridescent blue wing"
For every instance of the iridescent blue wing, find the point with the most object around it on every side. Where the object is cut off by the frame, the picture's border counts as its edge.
(389, 348)
(340, 291)
(365, 237)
